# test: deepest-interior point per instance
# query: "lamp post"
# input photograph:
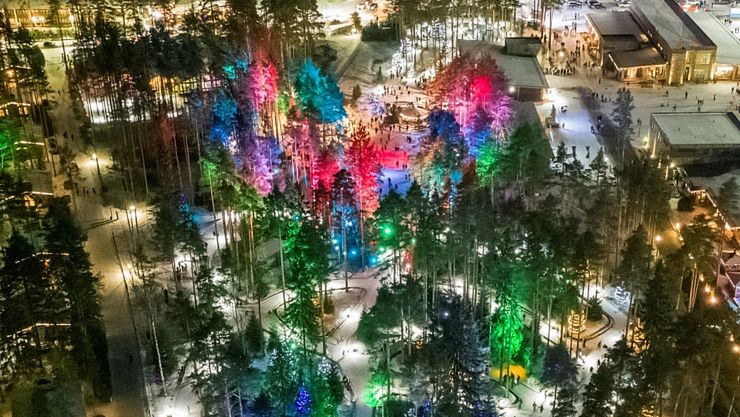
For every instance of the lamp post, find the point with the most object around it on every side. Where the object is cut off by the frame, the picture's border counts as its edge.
(136, 217)
(97, 166)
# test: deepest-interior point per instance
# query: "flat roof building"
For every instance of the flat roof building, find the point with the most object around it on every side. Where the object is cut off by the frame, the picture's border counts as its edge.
(728, 46)
(523, 46)
(689, 52)
(695, 138)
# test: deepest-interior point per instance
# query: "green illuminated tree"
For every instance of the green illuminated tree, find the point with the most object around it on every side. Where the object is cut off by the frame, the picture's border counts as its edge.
(327, 390)
(282, 376)
(10, 134)
(376, 392)
(306, 252)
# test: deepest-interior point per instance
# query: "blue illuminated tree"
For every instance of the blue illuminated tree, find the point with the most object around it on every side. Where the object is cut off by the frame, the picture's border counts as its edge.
(319, 96)
(224, 117)
(478, 132)
(303, 402)
(442, 124)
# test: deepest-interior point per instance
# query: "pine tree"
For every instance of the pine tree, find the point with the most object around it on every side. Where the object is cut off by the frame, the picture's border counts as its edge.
(69, 264)
(456, 350)
(282, 376)
(326, 389)
(622, 116)
(565, 407)
(598, 394)
(255, 337)
(27, 297)
(558, 369)
(727, 196)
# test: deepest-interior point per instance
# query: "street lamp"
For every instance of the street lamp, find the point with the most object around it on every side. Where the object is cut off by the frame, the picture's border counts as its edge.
(136, 217)
(97, 166)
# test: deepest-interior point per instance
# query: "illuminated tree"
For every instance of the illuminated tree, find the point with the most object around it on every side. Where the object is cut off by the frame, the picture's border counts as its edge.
(303, 402)
(327, 390)
(376, 392)
(9, 136)
(282, 375)
(319, 97)
(488, 163)
(506, 336)
(467, 85)
(306, 252)
(363, 162)
(324, 166)
(262, 80)
(344, 216)
(224, 118)
(260, 163)
(388, 228)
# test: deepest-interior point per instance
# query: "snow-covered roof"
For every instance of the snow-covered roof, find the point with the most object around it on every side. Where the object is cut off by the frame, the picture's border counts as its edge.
(728, 46)
(699, 130)
(672, 23)
(521, 71)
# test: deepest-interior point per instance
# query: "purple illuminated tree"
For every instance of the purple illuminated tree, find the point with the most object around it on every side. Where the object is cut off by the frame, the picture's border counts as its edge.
(260, 164)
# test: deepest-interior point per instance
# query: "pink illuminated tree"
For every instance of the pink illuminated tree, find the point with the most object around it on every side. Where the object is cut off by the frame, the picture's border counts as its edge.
(262, 81)
(363, 162)
(469, 84)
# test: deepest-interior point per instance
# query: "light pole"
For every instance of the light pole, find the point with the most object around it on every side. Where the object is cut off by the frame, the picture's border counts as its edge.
(97, 167)
(136, 217)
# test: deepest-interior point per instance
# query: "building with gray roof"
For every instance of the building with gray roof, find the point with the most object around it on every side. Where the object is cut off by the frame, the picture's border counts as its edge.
(695, 138)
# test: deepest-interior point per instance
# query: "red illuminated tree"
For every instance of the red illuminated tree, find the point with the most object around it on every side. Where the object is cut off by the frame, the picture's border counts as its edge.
(325, 165)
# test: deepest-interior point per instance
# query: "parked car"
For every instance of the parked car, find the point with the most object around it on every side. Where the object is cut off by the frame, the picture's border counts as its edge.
(595, 4)
(572, 4)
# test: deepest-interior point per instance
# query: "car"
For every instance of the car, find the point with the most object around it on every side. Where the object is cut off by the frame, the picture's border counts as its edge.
(373, 6)
(595, 4)
(572, 4)
(623, 5)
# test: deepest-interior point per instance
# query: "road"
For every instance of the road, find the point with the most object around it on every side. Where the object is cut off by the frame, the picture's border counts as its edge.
(126, 370)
